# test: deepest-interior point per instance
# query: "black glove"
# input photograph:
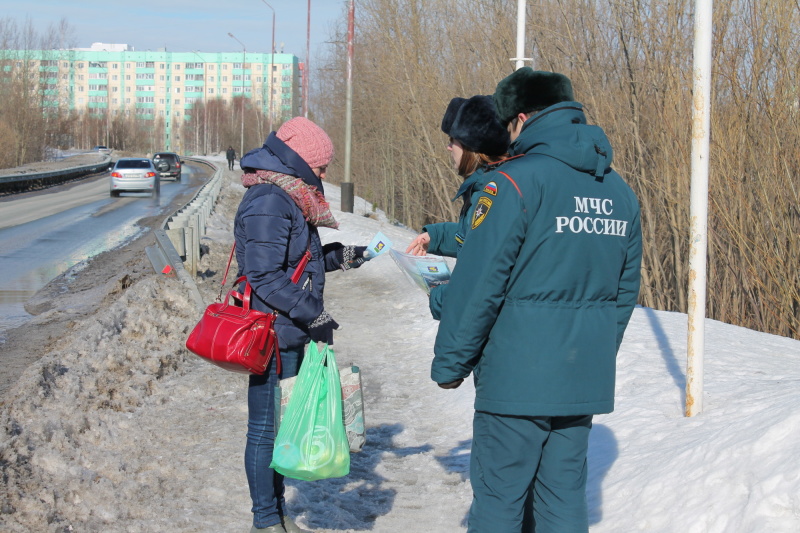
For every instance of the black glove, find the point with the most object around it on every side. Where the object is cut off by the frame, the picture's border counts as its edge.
(348, 256)
(452, 384)
(321, 329)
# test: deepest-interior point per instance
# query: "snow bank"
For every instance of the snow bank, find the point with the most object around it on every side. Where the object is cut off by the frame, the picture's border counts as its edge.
(122, 430)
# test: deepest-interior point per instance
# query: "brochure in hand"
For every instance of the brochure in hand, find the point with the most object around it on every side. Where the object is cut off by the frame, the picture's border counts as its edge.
(380, 244)
(425, 271)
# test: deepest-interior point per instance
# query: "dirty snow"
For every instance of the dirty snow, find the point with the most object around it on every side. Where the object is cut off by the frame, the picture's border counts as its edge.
(121, 430)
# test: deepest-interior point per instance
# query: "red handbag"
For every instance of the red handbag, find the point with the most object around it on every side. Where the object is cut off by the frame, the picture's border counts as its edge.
(234, 336)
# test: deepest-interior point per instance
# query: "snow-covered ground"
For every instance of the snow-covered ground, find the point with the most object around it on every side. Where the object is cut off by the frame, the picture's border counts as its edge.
(122, 430)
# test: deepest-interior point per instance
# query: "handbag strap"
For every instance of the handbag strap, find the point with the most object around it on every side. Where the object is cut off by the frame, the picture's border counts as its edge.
(301, 266)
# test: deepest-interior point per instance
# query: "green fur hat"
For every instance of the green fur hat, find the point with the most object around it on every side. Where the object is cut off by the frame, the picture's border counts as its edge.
(528, 90)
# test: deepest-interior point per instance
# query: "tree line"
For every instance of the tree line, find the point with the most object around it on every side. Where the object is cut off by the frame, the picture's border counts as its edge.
(631, 66)
(31, 126)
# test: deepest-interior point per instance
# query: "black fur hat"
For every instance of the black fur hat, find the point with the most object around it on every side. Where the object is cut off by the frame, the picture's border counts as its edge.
(528, 90)
(450, 115)
(473, 122)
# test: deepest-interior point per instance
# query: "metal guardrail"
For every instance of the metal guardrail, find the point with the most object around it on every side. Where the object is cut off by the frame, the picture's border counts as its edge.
(178, 240)
(177, 248)
(21, 182)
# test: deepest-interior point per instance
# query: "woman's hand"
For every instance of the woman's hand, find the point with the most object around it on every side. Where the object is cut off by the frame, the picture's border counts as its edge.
(419, 246)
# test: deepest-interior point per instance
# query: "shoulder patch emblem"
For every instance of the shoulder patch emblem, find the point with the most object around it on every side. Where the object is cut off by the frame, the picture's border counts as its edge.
(491, 188)
(481, 210)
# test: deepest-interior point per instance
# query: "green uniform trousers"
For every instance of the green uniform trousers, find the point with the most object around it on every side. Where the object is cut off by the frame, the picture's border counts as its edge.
(519, 462)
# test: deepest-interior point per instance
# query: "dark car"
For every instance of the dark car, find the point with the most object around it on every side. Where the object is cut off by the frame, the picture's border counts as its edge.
(168, 165)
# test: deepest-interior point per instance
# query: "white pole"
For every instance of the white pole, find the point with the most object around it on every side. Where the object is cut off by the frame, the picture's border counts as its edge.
(698, 211)
(520, 59)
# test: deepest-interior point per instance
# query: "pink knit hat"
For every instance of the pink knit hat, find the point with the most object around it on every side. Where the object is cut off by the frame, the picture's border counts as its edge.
(308, 140)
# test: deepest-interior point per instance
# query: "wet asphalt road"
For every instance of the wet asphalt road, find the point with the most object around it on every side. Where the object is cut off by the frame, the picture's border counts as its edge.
(46, 233)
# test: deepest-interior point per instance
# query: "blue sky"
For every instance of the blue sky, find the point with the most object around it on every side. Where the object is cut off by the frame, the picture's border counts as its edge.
(185, 25)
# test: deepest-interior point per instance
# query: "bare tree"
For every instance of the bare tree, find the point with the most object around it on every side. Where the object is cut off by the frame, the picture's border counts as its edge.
(630, 62)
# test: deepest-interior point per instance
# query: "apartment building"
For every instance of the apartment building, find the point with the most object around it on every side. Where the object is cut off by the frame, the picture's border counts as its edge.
(112, 78)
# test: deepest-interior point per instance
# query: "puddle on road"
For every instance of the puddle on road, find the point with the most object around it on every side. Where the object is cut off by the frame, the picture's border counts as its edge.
(12, 310)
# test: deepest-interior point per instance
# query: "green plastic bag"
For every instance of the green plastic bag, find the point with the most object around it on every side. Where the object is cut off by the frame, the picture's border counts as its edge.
(311, 443)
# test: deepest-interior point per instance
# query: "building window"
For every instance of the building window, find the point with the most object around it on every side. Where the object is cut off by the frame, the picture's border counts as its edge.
(177, 90)
(210, 90)
(176, 101)
(225, 66)
(237, 77)
(224, 78)
(237, 65)
(177, 78)
(211, 67)
(177, 66)
(211, 78)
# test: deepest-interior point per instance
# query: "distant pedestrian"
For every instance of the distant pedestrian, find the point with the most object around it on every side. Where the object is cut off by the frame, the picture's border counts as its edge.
(537, 307)
(230, 154)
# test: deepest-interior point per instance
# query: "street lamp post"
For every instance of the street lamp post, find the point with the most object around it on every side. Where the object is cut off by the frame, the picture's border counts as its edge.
(244, 62)
(308, 61)
(271, 61)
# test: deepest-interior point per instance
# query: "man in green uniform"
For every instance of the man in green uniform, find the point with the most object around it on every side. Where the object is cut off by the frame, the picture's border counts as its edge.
(546, 282)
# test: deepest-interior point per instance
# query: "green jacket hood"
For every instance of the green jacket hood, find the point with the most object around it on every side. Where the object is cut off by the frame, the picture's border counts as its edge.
(560, 131)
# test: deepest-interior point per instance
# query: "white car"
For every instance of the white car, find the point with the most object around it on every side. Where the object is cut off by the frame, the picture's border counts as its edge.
(102, 149)
(135, 174)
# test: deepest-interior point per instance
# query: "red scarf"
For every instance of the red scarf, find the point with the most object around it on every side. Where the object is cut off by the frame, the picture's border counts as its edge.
(311, 202)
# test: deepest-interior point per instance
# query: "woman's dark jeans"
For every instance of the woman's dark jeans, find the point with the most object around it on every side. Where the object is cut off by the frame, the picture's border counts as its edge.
(266, 485)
